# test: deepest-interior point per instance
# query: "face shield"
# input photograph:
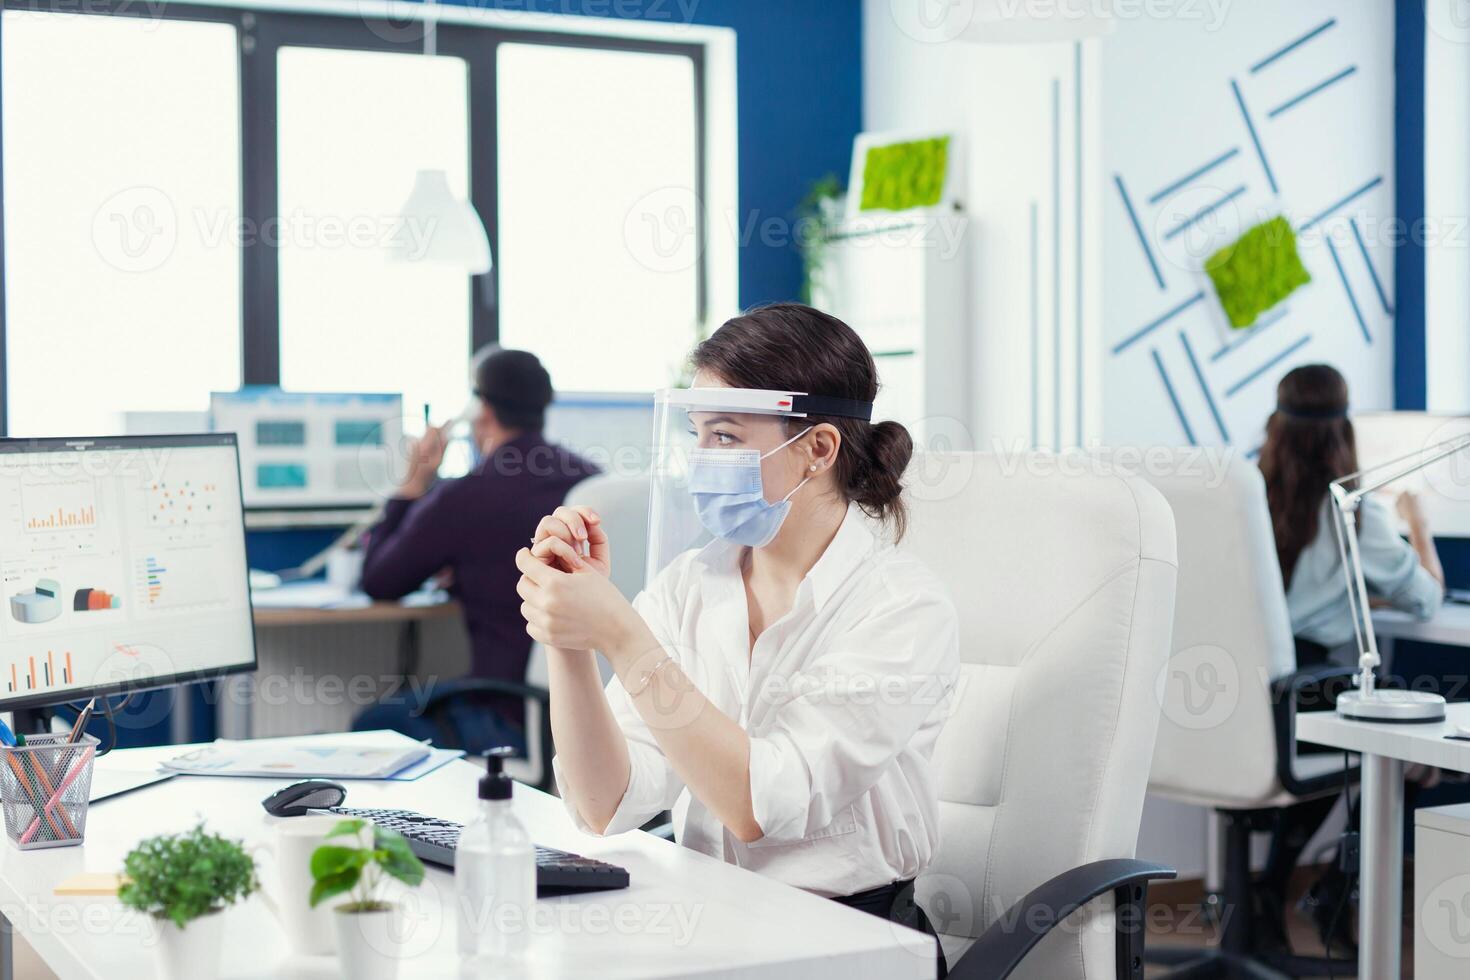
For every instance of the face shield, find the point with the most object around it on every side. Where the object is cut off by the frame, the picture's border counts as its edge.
(726, 463)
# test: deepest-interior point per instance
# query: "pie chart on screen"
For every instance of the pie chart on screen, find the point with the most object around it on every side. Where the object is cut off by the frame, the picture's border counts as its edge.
(91, 600)
(40, 605)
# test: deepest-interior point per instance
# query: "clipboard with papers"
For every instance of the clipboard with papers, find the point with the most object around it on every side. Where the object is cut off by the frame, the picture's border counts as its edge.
(354, 755)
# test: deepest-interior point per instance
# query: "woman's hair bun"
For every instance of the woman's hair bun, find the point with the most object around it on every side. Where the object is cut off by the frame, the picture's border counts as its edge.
(878, 483)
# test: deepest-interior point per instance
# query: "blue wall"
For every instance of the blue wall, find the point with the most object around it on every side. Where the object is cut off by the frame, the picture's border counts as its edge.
(1410, 371)
(799, 67)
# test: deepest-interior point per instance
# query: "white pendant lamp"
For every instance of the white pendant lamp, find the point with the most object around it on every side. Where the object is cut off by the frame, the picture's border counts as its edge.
(1038, 21)
(434, 225)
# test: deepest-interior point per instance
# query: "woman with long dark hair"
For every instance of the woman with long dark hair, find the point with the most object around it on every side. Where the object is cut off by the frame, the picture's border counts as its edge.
(781, 688)
(1310, 443)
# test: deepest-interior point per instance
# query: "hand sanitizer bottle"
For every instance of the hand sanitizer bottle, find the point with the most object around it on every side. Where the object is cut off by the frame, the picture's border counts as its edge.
(494, 872)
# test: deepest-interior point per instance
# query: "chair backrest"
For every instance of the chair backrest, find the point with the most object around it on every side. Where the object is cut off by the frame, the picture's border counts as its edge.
(622, 501)
(1064, 582)
(1232, 636)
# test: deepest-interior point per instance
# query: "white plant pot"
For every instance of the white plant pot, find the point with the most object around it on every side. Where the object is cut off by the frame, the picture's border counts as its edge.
(190, 953)
(367, 943)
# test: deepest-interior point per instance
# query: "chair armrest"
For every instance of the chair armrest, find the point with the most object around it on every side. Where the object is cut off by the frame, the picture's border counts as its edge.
(997, 953)
(529, 692)
(486, 685)
(1286, 701)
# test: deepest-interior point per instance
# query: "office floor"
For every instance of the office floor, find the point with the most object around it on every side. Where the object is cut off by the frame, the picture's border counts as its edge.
(1181, 908)
(28, 965)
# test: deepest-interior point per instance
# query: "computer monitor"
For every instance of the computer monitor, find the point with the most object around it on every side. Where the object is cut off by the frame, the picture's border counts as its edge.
(612, 429)
(312, 450)
(123, 561)
(1443, 487)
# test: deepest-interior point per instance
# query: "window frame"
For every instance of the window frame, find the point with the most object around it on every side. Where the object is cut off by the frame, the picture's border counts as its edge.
(262, 33)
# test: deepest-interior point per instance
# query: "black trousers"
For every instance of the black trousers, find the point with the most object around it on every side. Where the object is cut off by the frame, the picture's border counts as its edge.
(895, 903)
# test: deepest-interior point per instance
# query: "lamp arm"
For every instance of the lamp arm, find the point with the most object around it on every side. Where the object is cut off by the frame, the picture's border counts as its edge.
(1441, 450)
(1346, 528)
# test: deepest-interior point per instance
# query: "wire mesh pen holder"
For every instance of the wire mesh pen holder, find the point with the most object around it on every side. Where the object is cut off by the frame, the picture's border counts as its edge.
(44, 788)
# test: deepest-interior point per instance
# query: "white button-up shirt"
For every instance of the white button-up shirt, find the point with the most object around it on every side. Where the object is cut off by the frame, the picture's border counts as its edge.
(843, 699)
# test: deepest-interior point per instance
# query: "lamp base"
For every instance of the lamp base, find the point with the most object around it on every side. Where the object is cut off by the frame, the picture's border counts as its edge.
(1403, 707)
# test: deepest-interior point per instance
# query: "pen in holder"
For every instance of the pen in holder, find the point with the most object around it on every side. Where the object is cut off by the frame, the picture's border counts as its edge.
(44, 788)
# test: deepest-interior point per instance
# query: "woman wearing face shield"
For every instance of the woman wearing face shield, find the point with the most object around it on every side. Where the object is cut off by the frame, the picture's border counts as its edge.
(782, 684)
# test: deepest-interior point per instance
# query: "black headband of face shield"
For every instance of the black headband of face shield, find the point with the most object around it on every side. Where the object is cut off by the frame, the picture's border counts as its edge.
(846, 408)
(1313, 414)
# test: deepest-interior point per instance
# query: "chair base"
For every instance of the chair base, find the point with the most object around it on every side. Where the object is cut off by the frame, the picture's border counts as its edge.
(1239, 953)
(1217, 964)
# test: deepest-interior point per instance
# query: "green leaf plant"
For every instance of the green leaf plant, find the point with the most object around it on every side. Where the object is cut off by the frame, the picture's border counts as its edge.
(338, 869)
(181, 877)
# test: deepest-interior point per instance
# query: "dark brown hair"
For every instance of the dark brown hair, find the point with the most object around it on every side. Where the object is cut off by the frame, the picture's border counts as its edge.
(1309, 443)
(787, 346)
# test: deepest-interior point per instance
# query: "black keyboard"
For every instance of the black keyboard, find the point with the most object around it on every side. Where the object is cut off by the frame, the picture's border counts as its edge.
(434, 840)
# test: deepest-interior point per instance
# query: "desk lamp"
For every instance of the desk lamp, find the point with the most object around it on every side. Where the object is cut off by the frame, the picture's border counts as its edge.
(1369, 702)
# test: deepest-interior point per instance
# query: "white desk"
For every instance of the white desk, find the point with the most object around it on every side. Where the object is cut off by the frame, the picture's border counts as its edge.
(1385, 749)
(1451, 625)
(685, 914)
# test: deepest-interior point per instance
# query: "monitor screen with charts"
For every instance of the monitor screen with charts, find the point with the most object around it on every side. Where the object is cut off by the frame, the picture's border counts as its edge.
(1443, 487)
(124, 566)
(308, 450)
(612, 429)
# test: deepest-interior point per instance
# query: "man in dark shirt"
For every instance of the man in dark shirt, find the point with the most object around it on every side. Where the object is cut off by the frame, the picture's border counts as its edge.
(472, 526)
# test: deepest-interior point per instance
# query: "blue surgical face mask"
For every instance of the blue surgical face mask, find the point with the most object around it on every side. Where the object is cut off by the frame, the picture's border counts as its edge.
(729, 498)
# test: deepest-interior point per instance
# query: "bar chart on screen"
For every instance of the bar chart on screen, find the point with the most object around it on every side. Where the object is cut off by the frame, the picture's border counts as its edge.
(180, 578)
(58, 505)
(38, 671)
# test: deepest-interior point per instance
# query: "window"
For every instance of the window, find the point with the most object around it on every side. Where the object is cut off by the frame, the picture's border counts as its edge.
(598, 226)
(122, 266)
(353, 128)
(199, 197)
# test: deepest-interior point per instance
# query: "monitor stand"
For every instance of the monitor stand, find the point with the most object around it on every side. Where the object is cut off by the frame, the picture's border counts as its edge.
(33, 721)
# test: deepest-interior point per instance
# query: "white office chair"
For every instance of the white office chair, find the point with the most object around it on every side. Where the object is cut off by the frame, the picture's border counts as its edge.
(1227, 737)
(1065, 589)
(623, 503)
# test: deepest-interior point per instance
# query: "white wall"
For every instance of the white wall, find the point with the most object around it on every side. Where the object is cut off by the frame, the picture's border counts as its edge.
(1034, 296)
(1053, 249)
(1446, 204)
(1169, 109)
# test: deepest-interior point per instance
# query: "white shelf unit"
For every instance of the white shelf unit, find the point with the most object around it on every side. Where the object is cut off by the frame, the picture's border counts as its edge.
(899, 281)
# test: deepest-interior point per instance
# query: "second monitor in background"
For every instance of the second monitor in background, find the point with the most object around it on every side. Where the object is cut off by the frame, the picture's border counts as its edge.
(612, 429)
(1444, 487)
(301, 450)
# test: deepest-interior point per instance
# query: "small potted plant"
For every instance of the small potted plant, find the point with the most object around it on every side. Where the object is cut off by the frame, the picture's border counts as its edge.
(184, 882)
(360, 867)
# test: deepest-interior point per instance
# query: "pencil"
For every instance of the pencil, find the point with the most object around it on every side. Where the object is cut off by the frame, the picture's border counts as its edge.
(81, 722)
(45, 779)
(76, 770)
(38, 802)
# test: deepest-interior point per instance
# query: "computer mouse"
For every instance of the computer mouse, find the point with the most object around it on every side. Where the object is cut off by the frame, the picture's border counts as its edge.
(309, 794)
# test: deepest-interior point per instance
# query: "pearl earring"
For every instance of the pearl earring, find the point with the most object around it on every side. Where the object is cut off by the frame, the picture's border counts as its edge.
(814, 467)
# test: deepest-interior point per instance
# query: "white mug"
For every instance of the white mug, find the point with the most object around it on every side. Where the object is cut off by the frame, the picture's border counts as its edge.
(309, 931)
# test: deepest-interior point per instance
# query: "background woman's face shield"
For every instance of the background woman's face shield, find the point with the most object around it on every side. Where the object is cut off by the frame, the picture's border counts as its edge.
(686, 419)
